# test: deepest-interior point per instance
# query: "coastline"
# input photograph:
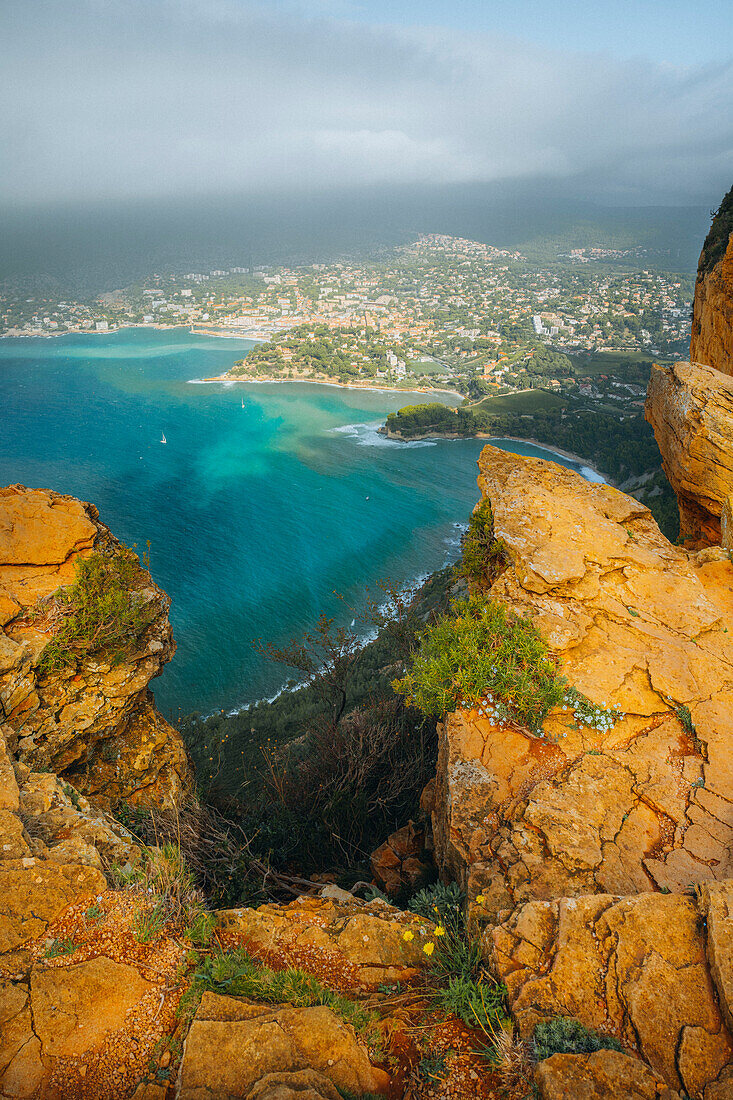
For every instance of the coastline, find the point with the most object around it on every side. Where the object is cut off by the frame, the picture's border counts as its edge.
(552, 448)
(191, 326)
(40, 335)
(325, 382)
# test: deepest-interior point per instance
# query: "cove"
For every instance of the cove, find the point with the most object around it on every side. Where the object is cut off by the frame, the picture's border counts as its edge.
(267, 504)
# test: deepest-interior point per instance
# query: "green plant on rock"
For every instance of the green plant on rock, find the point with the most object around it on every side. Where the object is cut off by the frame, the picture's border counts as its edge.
(565, 1035)
(237, 974)
(445, 900)
(58, 948)
(101, 612)
(479, 1004)
(149, 922)
(432, 1067)
(483, 555)
(482, 655)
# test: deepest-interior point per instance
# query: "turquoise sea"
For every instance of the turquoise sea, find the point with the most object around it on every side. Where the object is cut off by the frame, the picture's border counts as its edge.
(265, 502)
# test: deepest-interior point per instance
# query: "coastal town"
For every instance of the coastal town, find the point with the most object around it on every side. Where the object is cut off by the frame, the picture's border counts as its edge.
(442, 311)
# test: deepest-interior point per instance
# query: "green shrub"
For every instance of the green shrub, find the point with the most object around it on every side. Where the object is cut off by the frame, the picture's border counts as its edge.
(482, 655)
(432, 1067)
(439, 899)
(483, 556)
(564, 1035)
(101, 611)
(478, 1003)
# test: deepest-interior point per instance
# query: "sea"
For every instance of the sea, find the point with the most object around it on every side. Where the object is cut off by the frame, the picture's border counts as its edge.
(267, 504)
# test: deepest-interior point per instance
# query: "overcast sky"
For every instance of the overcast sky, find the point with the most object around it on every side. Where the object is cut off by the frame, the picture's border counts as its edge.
(108, 99)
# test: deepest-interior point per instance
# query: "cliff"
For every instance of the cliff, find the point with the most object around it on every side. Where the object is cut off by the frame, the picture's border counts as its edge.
(712, 316)
(91, 720)
(690, 405)
(636, 625)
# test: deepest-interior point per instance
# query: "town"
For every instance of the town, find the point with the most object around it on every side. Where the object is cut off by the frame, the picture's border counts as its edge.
(442, 311)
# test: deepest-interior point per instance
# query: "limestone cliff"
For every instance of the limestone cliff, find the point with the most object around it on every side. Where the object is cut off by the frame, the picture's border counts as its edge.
(690, 405)
(638, 625)
(92, 722)
(690, 408)
(712, 317)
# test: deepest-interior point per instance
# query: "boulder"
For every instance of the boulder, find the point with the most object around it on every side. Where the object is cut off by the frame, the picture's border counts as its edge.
(76, 1007)
(400, 864)
(636, 968)
(232, 1045)
(599, 1076)
(346, 944)
(303, 1084)
(34, 892)
(635, 624)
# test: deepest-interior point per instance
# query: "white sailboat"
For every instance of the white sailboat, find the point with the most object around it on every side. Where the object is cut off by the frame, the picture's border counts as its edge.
(162, 438)
(242, 402)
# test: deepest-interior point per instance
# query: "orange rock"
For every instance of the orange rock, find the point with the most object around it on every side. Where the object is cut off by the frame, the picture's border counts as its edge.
(232, 1045)
(690, 407)
(636, 624)
(96, 719)
(712, 317)
(635, 968)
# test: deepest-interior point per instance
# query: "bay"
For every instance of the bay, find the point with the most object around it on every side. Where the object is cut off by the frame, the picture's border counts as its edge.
(258, 517)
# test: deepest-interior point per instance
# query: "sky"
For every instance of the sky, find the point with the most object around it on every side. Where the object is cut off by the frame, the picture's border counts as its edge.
(628, 102)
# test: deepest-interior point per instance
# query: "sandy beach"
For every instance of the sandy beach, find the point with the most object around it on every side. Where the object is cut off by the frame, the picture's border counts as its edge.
(325, 382)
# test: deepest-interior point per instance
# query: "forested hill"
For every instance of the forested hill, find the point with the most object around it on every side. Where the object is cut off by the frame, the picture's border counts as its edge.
(624, 450)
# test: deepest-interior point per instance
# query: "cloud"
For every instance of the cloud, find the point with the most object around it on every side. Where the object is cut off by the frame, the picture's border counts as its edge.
(124, 98)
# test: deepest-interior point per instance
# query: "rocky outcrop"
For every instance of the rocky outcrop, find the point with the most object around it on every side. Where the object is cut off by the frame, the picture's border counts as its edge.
(636, 624)
(712, 316)
(690, 408)
(690, 405)
(599, 1076)
(238, 1049)
(349, 945)
(643, 969)
(93, 722)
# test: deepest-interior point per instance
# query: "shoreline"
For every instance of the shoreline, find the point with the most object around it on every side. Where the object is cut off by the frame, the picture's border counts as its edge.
(42, 335)
(551, 448)
(325, 382)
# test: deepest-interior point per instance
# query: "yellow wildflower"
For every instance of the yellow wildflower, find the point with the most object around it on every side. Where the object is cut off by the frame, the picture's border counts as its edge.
(429, 948)
(480, 899)
(439, 931)
(408, 935)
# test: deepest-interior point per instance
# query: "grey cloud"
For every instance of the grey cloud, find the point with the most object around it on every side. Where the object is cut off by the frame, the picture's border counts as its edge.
(106, 99)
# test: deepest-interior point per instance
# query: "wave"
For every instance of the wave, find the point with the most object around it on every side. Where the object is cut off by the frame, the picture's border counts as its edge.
(368, 435)
(407, 591)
